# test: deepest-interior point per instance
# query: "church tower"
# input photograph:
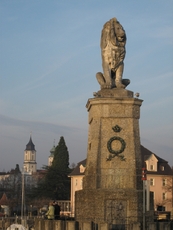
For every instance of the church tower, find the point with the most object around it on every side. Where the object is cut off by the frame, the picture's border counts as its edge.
(30, 164)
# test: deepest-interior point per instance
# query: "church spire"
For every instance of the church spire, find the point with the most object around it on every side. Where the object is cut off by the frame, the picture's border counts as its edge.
(30, 145)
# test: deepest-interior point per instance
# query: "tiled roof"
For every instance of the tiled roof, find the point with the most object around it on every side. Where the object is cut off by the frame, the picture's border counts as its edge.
(161, 163)
(147, 153)
(4, 200)
(76, 170)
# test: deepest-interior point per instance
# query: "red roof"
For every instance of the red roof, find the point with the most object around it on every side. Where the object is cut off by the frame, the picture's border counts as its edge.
(4, 200)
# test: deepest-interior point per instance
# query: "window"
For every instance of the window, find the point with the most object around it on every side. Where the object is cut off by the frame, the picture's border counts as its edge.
(82, 169)
(76, 182)
(151, 167)
(164, 182)
(162, 168)
(152, 182)
(81, 183)
(160, 208)
(164, 196)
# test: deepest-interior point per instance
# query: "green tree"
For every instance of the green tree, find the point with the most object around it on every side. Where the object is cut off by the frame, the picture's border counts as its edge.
(61, 156)
(56, 183)
(60, 170)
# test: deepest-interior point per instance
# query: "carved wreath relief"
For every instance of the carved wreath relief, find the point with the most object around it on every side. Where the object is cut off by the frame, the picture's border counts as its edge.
(114, 153)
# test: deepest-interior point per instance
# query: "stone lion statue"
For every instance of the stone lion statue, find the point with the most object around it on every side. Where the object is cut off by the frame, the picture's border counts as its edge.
(113, 41)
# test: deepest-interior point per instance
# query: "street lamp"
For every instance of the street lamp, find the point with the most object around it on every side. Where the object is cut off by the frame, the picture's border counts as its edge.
(144, 178)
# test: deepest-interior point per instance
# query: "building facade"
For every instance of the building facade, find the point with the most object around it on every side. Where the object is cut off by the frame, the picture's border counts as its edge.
(76, 182)
(159, 176)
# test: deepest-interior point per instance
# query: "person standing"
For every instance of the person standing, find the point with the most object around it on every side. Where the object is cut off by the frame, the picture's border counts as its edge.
(57, 210)
(50, 213)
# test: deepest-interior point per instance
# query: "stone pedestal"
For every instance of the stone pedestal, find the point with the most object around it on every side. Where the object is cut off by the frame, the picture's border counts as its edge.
(112, 186)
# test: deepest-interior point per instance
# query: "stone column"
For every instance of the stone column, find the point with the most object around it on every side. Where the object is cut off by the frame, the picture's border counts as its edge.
(112, 187)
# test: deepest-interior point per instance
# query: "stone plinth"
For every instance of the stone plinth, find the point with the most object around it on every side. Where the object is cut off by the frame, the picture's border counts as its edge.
(112, 186)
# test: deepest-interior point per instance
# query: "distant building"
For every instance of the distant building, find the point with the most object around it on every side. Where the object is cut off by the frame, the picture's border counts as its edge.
(29, 164)
(3, 176)
(158, 172)
(76, 182)
(11, 182)
(160, 177)
(4, 206)
(9, 179)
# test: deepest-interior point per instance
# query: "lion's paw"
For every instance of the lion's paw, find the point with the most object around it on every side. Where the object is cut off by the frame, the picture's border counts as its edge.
(119, 85)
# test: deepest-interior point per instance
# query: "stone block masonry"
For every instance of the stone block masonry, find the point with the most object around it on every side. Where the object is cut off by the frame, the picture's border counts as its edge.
(112, 186)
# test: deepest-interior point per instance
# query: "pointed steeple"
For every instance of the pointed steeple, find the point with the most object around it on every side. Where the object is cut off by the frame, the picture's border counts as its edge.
(30, 145)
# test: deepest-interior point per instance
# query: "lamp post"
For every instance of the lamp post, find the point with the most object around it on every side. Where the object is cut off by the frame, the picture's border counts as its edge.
(144, 178)
(31, 210)
(23, 194)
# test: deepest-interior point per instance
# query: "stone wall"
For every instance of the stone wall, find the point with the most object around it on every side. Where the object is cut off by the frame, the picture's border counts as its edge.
(72, 225)
(40, 224)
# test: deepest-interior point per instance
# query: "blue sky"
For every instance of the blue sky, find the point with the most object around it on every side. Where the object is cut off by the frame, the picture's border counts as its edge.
(49, 55)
